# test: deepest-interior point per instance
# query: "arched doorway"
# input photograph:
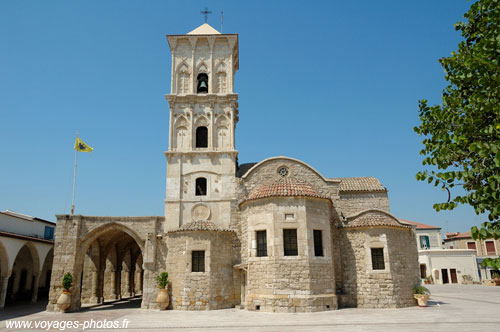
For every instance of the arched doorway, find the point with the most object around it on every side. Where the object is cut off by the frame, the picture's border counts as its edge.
(109, 259)
(23, 281)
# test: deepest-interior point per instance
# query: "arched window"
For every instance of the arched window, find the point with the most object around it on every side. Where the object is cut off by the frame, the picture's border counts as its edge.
(202, 85)
(202, 137)
(201, 187)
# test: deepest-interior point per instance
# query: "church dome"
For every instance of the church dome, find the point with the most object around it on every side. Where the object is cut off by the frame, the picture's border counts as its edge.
(285, 187)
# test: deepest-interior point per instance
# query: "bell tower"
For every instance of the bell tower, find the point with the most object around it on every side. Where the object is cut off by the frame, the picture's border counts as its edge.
(201, 156)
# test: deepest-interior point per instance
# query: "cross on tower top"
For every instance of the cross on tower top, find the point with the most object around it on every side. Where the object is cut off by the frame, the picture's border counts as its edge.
(206, 12)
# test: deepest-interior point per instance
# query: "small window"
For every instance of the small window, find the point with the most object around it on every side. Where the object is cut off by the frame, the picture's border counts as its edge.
(198, 261)
(261, 243)
(471, 245)
(424, 242)
(290, 242)
(49, 233)
(202, 137)
(289, 216)
(202, 86)
(201, 187)
(378, 259)
(318, 243)
(490, 248)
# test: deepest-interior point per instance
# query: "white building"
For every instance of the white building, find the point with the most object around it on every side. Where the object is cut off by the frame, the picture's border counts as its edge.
(447, 266)
(26, 252)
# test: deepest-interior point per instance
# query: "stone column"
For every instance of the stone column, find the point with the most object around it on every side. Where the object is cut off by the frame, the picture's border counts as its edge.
(94, 297)
(4, 282)
(113, 295)
(125, 283)
(34, 291)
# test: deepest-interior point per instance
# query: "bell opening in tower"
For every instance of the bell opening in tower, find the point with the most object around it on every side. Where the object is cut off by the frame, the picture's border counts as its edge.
(202, 137)
(202, 86)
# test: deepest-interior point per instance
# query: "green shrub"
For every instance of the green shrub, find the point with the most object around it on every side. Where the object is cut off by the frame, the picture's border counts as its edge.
(418, 289)
(162, 280)
(67, 281)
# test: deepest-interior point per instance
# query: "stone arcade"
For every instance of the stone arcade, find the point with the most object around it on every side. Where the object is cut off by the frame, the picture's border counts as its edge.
(270, 236)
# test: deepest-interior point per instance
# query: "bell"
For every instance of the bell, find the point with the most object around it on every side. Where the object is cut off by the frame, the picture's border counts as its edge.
(203, 84)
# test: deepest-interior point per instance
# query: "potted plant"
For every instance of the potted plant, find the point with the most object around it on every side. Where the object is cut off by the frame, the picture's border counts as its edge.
(467, 279)
(496, 278)
(421, 294)
(162, 299)
(428, 280)
(64, 300)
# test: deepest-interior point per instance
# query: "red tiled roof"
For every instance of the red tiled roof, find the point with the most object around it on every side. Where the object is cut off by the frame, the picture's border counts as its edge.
(200, 226)
(373, 218)
(285, 187)
(419, 224)
(357, 184)
(458, 235)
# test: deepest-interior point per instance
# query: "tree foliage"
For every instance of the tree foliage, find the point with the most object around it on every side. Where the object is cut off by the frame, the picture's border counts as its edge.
(462, 136)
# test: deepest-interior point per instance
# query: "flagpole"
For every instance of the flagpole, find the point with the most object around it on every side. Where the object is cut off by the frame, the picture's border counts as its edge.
(74, 183)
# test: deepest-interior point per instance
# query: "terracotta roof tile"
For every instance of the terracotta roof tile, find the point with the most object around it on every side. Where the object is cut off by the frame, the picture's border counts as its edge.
(419, 224)
(373, 218)
(368, 183)
(285, 187)
(200, 226)
(457, 235)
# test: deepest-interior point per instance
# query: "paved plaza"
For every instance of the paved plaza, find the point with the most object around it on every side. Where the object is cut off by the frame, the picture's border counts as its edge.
(451, 308)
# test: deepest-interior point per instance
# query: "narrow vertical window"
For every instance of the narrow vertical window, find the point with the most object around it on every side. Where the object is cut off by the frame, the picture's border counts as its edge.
(290, 242)
(201, 187)
(378, 259)
(261, 243)
(198, 261)
(318, 243)
(202, 137)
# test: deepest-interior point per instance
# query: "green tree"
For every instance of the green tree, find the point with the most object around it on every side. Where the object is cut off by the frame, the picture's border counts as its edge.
(462, 136)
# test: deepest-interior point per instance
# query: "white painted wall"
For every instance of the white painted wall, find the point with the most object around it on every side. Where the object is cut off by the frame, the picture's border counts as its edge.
(463, 260)
(23, 227)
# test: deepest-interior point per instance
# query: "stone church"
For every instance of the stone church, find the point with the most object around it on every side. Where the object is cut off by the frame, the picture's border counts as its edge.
(273, 236)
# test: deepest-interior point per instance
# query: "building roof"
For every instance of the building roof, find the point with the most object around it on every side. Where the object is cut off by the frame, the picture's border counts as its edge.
(243, 168)
(285, 187)
(25, 217)
(373, 218)
(200, 226)
(419, 224)
(204, 29)
(457, 235)
(357, 184)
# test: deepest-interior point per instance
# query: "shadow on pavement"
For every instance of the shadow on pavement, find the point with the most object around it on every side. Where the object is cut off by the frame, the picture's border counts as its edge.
(22, 308)
(129, 303)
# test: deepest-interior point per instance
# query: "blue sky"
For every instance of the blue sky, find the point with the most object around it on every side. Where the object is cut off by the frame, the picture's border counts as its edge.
(333, 83)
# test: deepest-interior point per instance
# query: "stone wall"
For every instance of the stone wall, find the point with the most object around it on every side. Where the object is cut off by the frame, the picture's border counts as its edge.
(351, 203)
(212, 289)
(279, 283)
(389, 288)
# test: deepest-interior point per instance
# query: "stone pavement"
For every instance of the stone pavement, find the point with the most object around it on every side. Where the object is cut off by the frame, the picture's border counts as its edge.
(452, 308)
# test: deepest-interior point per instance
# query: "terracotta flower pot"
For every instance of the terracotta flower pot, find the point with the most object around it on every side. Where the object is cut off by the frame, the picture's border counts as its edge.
(421, 299)
(163, 299)
(497, 281)
(64, 301)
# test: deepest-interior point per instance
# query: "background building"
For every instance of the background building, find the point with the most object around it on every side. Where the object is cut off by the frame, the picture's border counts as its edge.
(26, 252)
(483, 248)
(446, 266)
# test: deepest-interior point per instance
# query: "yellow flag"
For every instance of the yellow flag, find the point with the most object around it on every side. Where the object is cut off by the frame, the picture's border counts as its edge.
(81, 146)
